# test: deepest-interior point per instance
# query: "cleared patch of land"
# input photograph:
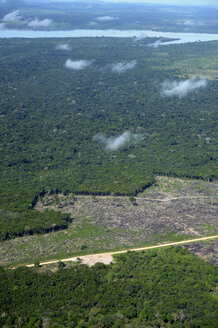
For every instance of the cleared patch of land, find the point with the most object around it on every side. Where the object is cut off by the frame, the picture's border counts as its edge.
(171, 210)
(107, 258)
(207, 250)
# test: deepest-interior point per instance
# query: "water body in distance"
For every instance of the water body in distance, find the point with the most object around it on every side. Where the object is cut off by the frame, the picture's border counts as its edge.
(179, 37)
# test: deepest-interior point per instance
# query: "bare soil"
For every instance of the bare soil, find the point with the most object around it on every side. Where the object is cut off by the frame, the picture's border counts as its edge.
(207, 251)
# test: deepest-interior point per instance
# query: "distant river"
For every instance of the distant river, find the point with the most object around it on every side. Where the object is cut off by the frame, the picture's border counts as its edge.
(182, 37)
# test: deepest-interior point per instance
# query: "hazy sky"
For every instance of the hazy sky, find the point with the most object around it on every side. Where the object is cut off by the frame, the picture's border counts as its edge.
(172, 2)
(165, 2)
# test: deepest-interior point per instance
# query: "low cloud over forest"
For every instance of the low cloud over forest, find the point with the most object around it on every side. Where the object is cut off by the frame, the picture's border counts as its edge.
(190, 22)
(37, 23)
(182, 88)
(156, 44)
(13, 16)
(77, 64)
(106, 18)
(121, 67)
(63, 46)
(115, 143)
(16, 15)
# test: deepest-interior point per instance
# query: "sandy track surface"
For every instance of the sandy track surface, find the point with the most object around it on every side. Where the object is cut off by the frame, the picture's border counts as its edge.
(107, 258)
(168, 199)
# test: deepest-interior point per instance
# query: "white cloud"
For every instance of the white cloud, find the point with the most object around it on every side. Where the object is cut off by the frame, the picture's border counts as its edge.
(121, 67)
(115, 143)
(77, 64)
(190, 22)
(156, 44)
(106, 18)
(141, 36)
(180, 89)
(37, 23)
(63, 46)
(13, 16)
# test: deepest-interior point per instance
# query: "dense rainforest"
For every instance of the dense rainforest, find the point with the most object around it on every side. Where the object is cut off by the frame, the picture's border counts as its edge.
(167, 288)
(57, 123)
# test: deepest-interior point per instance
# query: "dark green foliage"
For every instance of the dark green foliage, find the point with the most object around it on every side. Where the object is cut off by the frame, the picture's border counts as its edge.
(167, 288)
(49, 115)
(61, 265)
(15, 224)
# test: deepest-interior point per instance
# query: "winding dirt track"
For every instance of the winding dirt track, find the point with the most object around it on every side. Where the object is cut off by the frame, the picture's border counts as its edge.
(107, 258)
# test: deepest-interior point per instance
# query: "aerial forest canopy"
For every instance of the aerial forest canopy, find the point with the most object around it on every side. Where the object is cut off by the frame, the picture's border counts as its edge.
(168, 288)
(100, 116)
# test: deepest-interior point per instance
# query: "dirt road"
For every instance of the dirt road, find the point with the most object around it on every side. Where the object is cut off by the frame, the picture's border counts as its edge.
(168, 199)
(107, 258)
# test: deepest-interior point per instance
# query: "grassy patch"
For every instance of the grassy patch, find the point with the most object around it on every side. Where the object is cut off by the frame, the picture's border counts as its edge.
(168, 185)
(86, 229)
(208, 228)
